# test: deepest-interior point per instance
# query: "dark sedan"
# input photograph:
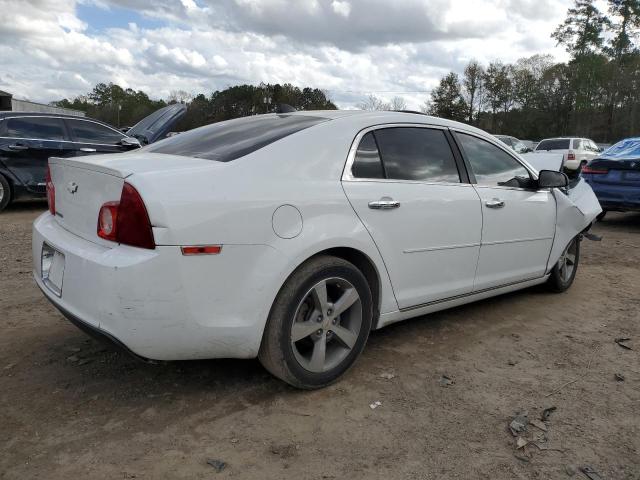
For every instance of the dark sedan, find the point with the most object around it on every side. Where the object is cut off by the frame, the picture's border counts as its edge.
(615, 176)
(27, 140)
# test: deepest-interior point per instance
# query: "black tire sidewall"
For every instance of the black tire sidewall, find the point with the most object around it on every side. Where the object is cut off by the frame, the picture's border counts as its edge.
(6, 198)
(355, 277)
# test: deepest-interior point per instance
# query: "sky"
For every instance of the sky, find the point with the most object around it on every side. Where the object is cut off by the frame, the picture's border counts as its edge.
(53, 49)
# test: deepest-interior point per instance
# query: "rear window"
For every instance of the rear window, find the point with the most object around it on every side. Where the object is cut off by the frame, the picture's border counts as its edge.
(555, 144)
(232, 139)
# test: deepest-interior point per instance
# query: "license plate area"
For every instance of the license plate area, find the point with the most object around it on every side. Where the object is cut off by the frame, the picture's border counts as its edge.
(52, 268)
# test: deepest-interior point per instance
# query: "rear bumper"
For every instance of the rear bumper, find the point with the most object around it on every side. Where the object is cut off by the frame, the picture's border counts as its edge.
(623, 198)
(158, 303)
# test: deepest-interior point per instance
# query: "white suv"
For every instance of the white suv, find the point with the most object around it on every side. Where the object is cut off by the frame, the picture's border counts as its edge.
(576, 151)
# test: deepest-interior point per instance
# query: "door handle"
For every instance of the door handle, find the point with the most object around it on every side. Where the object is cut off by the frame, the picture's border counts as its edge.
(88, 150)
(495, 203)
(17, 146)
(385, 203)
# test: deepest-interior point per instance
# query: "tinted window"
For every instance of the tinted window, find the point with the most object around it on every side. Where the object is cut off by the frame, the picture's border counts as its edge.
(417, 154)
(367, 163)
(577, 144)
(491, 165)
(554, 144)
(226, 141)
(40, 128)
(91, 132)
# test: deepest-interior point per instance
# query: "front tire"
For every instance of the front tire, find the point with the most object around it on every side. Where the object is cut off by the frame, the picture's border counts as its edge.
(564, 272)
(5, 193)
(319, 323)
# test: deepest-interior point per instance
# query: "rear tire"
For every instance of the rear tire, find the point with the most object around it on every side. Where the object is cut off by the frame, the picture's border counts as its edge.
(318, 324)
(5, 193)
(564, 272)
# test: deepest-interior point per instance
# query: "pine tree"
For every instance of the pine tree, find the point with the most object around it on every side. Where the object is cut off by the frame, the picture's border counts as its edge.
(581, 32)
(447, 101)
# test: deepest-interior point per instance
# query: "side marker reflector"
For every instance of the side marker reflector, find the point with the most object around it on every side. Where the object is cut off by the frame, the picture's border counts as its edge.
(201, 250)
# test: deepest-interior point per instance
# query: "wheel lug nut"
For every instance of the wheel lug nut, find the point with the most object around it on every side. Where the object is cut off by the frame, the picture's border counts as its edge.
(329, 312)
(319, 319)
(335, 320)
(319, 332)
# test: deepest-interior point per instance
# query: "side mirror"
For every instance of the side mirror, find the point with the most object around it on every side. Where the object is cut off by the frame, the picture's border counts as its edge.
(552, 179)
(130, 142)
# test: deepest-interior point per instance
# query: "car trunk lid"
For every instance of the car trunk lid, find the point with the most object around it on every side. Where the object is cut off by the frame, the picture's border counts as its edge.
(82, 185)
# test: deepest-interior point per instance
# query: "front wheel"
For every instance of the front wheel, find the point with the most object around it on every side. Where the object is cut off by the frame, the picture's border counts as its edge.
(319, 323)
(564, 272)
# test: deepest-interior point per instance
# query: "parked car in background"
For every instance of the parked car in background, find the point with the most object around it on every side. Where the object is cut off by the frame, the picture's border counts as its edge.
(517, 145)
(27, 140)
(577, 151)
(290, 237)
(615, 176)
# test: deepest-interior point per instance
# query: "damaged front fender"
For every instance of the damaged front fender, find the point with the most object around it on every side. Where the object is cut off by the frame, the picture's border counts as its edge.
(576, 211)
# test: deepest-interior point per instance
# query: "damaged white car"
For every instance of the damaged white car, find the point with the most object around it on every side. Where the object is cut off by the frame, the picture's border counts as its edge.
(291, 236)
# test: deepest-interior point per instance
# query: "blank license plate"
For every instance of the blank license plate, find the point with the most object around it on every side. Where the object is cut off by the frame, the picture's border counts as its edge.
(52, 263)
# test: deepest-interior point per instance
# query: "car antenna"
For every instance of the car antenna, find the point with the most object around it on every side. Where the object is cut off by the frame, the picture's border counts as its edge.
(284, 108)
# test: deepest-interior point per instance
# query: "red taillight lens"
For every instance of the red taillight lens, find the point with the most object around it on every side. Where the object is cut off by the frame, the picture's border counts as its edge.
(51, 192)
(126, 221)
(594, 171)
(107, 221)
(571, 156)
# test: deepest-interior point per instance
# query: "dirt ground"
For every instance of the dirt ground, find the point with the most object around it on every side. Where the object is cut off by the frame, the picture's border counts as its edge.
(74, 408)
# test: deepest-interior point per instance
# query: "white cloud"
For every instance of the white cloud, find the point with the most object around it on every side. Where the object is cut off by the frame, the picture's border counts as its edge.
(350, 48)
(341, 8)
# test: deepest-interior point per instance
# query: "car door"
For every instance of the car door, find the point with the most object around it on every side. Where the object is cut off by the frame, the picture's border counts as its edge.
(518, 221)
(91, 137)
(413, 196)
(26, 144)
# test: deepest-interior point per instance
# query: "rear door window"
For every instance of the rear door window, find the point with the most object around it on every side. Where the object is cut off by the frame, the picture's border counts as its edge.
(554, 144)
(491, 165)
(232, 139)
(367, 163)
(36, 128)
(419, 154)
(84, 131)
(577, 144)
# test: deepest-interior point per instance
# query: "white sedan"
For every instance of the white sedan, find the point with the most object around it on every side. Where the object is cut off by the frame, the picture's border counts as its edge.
(291, 236)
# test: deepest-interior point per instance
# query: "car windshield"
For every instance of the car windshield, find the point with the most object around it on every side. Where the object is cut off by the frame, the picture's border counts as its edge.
(554, 144)
(226, 141)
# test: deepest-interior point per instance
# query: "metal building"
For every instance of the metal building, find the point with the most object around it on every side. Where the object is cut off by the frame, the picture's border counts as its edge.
(8, 103)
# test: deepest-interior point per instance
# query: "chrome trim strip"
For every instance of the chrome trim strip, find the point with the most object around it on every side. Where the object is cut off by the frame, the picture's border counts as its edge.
(470, 294)
(63, 141)
(433, 249)
(517, 240)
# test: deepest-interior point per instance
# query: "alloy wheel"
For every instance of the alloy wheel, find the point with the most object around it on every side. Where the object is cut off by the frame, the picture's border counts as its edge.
(326, 325)
(567, 261)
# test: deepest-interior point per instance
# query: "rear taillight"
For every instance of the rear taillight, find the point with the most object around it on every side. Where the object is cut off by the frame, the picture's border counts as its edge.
(571, 156)
(51, 192)
(126, 221)
(594, 171)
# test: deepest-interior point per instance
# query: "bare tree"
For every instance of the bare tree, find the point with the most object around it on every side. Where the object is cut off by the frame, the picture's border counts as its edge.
(398, 103)
(473, 88)
(373, 103)
(179, 96)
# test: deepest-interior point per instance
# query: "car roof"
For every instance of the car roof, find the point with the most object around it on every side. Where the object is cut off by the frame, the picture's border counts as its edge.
(373, 117)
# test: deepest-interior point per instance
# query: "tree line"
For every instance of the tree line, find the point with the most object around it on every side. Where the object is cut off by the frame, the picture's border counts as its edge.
(125, 106)
(595, 94)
